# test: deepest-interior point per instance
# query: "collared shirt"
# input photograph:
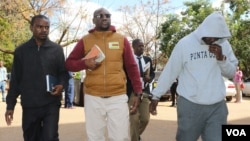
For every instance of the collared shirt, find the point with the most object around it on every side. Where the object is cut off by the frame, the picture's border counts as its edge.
(143, 66)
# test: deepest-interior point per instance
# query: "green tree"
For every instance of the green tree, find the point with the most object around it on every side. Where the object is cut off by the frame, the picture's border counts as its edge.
(170, 33)
(15, 16)
(13, 31)
(142, 21)
(239, 25)
(175, 26)
(9, 37)
(237, 18)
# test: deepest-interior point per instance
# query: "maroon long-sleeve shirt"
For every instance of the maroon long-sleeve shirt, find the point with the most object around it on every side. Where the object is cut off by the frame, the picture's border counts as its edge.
(75, 62)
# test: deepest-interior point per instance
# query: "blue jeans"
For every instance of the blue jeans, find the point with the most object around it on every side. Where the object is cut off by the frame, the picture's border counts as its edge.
(2, 89)
(69, 94)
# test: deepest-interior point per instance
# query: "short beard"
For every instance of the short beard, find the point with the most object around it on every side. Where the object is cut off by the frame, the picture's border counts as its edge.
(104, 28)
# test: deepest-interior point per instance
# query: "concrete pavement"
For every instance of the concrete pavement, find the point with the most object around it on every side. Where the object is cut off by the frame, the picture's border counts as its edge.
(161, 127)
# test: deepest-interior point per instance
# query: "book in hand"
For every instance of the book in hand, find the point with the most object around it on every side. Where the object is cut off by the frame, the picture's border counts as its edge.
(51, 81)
(146, 69)
(95, 52)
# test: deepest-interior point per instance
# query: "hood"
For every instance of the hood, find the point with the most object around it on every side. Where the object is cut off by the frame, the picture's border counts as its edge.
(214, 25)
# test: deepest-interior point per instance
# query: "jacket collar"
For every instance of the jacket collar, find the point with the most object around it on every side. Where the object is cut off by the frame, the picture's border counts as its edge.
(111, 28)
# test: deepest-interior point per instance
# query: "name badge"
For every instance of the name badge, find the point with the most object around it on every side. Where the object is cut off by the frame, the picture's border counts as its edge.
(114, 45)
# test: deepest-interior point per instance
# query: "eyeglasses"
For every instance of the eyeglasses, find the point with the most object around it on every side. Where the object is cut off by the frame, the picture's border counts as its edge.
(100, 16)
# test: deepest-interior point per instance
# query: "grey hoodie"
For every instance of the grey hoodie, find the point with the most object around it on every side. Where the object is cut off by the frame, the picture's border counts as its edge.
(198, 71)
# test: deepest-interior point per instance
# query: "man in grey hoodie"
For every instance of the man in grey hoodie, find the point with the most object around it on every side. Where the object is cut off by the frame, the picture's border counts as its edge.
(199, 61)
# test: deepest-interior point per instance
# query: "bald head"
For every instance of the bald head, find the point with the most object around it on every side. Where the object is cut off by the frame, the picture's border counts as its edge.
(101, 19)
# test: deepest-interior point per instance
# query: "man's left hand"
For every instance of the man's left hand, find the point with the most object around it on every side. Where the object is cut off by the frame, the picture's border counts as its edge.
(57, 90)
(153, 106)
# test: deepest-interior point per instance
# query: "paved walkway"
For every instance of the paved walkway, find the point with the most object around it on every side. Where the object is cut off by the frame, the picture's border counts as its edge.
(161, 127)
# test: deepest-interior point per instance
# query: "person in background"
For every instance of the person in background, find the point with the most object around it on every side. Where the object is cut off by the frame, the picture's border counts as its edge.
(237, 82)
(3, 80)
(105, 98)
(33, 60)
(83, 74)
(173, 92)
(199, 61)
(69, 92)
(140, 120)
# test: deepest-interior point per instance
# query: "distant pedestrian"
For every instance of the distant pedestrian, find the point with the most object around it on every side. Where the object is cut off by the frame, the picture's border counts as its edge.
(173, 92)
(237, 82)
(3, 80)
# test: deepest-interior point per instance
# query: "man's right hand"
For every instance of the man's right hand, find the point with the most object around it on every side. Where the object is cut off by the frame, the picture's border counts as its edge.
(9, 116)
(91, 63)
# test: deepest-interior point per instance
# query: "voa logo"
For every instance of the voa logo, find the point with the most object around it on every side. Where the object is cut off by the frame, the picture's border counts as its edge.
(236, 132)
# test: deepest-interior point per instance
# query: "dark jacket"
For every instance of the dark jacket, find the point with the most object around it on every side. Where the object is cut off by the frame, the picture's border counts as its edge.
(30, 66)
(152, 76)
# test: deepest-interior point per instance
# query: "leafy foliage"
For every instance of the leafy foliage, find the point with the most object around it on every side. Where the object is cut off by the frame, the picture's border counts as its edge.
(13, 31)
(15, 16)
(239, 25)
(175, 27)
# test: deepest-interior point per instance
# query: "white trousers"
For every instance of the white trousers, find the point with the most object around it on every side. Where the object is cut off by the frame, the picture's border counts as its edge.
(107, 117)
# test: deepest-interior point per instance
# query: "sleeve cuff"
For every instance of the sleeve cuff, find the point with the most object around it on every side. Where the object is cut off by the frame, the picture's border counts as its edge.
(155, 97)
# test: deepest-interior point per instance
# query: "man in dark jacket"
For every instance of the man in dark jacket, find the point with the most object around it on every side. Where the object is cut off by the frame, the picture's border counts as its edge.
(33, 60)
(139, 121)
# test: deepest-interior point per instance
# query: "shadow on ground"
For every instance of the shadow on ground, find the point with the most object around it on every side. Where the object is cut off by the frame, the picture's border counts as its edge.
(161, 127)
(157, 130)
